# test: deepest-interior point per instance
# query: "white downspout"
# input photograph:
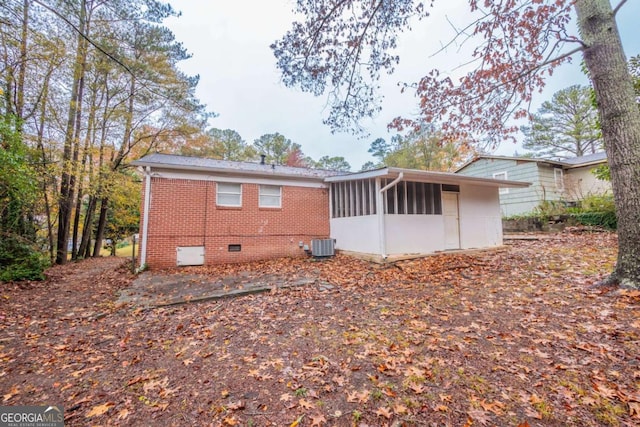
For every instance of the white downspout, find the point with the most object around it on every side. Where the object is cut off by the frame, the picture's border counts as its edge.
(392, 183)
(330, 210)
(381, 223)
(145, 218)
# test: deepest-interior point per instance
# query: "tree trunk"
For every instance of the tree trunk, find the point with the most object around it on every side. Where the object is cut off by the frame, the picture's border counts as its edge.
(620, 118)
(101, 179)
(22, 70)
(86, 155)
(76, 169)
(43, 171)
(67, 184)
(76, 217)
(102, 224)
(85, 243)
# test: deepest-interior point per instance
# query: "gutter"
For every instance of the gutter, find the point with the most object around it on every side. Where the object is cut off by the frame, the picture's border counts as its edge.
(269, 171)
(381, 224)
(145, 219)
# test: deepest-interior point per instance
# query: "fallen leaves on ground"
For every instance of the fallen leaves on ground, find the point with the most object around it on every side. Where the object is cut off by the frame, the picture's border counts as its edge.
(510, 337)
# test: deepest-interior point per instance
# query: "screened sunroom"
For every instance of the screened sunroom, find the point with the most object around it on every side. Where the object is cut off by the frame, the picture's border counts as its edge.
(393, 212)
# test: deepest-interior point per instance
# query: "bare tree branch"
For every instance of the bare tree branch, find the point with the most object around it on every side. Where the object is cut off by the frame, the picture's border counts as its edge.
(617, 8)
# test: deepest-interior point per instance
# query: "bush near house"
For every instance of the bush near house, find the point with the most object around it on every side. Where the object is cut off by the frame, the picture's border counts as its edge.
(597, 210)
(606, 220)
(594, 211)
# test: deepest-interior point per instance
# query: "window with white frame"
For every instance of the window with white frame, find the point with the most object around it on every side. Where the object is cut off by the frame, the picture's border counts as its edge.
(229, 194)
(270, 196)
(558, 177)
(503, 176)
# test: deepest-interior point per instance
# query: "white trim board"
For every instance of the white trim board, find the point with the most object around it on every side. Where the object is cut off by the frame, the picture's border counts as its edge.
(238, 179)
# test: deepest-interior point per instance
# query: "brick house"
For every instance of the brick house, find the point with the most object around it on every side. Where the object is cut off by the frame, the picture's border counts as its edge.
(203, 211)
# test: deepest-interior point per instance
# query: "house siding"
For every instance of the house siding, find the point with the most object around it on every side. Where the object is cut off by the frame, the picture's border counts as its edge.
(183, 212)
(519, 201)
(581, 182)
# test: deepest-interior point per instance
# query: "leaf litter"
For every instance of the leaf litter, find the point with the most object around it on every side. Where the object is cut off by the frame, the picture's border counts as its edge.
(516, 336)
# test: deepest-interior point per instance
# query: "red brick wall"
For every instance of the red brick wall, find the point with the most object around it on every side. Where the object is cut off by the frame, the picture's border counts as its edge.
(184, 213)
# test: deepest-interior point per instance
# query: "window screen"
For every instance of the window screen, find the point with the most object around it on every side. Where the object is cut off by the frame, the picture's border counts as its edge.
(413, 198)
(353, 198)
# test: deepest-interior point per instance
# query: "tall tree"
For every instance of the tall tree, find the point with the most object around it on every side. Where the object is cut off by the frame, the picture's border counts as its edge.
(379, 149)
(424, 148)
(332, 163)
(225, 144)
(276, 147)
(344, 45)
(96, 83)
(72, 133)
(566, 126)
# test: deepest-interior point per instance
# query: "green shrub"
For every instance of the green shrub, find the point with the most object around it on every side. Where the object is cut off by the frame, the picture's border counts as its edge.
(122, 244)
(606, 220)
(20, 260)
(549, 208)
(598, 211)
(598, 203)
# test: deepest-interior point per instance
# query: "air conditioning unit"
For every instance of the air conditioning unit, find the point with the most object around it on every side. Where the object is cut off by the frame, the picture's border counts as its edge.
(322, 247)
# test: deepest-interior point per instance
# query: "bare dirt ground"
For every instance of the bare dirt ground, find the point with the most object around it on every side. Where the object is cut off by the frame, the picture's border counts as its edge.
(515, 337)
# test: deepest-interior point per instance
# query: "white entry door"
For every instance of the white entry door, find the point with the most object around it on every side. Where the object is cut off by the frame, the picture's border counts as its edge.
(451, 220)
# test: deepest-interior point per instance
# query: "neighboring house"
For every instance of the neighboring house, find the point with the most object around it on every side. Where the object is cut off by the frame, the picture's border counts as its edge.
(204, 211)
(568, 180)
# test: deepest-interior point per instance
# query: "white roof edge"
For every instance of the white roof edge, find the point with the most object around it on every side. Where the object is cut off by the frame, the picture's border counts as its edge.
(438, 177)
(582, 165)
(563, 163)
(526, 159)
(358, 175)
(156, 165)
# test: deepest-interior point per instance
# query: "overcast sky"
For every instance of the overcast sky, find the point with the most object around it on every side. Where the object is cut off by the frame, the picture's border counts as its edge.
(229, 41)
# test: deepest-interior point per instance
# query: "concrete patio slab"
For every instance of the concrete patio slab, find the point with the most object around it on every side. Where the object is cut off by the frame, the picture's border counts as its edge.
(160, 289)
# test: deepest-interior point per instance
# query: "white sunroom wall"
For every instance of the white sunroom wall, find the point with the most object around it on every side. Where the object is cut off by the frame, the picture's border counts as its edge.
(353, 220)
(414, 234)
(356, 234)
(480, 217)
